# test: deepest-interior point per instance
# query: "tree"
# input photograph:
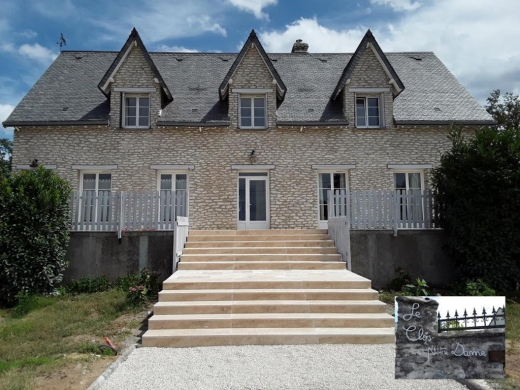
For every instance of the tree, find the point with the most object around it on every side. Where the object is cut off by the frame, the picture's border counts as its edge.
(478, 197)
(6, 149)
(504, 110)
(34, 233)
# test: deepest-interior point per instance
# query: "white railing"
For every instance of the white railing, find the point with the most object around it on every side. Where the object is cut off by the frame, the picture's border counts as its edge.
(127, 211)
(387, 209)
(180, 235)
(339, 230)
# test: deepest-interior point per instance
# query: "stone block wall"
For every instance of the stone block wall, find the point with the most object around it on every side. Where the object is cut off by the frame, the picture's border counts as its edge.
(252, 73)
(212, 152)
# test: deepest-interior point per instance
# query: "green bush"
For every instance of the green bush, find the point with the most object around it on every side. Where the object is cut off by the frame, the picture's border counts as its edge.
(86, 285)
(474, 288)
(34, 233)
(400, 280)
(478, 198)
(136, 296)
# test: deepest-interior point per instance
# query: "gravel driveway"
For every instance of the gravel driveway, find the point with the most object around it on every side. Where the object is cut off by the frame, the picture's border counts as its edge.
(287, 367)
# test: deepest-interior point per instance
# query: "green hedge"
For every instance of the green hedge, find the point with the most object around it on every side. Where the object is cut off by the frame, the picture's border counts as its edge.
(478, 195)
(34, 233)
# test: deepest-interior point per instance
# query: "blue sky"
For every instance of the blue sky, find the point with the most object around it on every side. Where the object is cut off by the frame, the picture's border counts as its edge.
(477, 40)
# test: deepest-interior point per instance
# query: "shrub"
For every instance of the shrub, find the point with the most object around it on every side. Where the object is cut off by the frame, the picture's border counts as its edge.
(474, 288)
(478, 199)
(86, 285)
(417, 289)
(400, 280)
(136, 296)
(34, 232)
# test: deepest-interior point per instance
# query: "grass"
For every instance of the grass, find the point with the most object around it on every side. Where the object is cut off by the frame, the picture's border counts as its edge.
(38, 338)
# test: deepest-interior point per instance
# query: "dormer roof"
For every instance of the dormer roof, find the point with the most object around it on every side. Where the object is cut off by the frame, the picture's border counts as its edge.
(133, 40)
(252, 41)
(369, 42)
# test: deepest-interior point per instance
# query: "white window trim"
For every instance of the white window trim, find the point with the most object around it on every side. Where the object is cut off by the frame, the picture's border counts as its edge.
(347, 184)
(420, 171)
(123, 111)
(252, 96)
(380, 105)
(174, 172)
(97, 173)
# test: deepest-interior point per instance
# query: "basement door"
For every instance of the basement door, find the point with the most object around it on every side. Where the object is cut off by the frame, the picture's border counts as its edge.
(253, 200)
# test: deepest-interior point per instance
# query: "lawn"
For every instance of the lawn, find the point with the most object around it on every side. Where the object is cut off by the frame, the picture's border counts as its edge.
(59, 333)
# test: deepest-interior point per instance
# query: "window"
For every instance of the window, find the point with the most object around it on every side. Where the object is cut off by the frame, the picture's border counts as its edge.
(409, 186)
(173, 192)
(95, 197)
(405, 181)
(368, 112)
(252, 112)
(136, 111)
(336, 182)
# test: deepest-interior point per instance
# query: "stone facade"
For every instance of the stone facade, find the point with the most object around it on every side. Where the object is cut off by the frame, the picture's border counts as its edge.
(368, 73)
(252, 73)
(212, 183)
(212, 151)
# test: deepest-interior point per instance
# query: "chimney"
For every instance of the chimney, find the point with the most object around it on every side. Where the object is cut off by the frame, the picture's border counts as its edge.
(299, 47)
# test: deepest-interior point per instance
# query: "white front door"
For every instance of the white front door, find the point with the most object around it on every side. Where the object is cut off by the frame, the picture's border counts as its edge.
(328, 181)
(253, 200)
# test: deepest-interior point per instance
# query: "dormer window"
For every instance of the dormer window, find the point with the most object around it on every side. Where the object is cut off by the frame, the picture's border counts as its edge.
(368, 112)
(136, 111)
(252, 114)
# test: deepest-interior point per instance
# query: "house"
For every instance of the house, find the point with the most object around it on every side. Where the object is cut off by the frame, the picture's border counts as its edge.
(257, 139)
(245, 143)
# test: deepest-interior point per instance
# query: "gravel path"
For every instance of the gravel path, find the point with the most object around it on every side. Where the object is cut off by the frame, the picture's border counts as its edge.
(287, 367)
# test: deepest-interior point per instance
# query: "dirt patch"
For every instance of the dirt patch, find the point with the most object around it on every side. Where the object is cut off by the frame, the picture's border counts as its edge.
(76, 375)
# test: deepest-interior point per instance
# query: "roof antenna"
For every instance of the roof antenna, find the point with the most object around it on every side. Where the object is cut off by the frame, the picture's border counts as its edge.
(62, 41)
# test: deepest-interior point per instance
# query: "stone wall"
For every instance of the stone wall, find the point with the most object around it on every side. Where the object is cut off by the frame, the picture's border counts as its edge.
(368, 73)
(95, 254)
(423, 353)
(212, 183)
(375, 254)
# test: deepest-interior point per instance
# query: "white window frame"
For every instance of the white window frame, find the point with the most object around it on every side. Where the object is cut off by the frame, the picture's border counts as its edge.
(322, 224)
(407, 171)
(252, 97)
(123, 111)
(380, 103)
(173, 173)
(96, 190)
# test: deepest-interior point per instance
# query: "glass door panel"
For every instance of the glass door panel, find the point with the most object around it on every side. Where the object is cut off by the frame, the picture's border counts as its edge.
(257, 200)
(336, 182)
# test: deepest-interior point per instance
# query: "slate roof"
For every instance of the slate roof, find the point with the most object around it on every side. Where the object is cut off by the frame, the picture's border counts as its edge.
(432, 94)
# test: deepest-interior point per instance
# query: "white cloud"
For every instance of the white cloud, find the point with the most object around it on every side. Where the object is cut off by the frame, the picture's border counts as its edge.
(28, 34)
(472, 39)
(5, 111)
(320, 39)
(37, 52)
(398, 5)
(254, 6)
(177, 49)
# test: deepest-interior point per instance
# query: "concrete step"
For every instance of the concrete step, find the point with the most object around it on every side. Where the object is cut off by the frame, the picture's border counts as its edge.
(252, 265)
(271, 320)
(184, 284)
(265, 336)
(259, 243)
(258, 237)
(268, 294)
(248, 233)
(232, 250)
(260, 257)
(279, 306)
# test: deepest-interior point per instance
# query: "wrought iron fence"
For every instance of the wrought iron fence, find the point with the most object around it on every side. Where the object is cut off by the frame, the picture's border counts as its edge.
(497, 319)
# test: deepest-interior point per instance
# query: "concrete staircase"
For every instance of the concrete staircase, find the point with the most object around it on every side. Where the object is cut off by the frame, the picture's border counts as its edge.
(265, 287)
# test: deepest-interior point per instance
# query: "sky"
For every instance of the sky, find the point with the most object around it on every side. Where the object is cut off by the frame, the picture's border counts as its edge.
(476, 40)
